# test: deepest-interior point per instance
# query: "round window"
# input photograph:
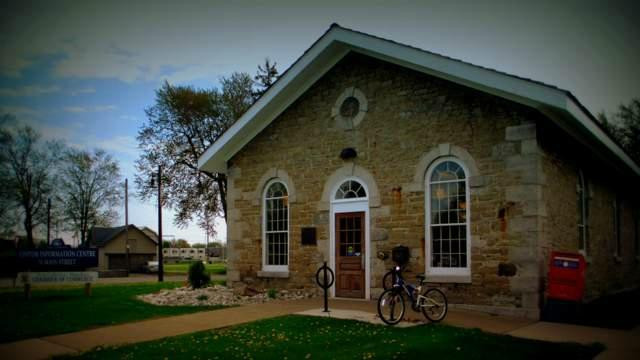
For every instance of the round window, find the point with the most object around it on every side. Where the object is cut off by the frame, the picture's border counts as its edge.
(350, 107)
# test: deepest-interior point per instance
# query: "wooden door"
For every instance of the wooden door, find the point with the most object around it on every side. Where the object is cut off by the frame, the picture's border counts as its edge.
(350, 254)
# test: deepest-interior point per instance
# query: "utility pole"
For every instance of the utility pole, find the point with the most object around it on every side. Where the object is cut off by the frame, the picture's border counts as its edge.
(160, 260)
(126, 222)
(48, 221)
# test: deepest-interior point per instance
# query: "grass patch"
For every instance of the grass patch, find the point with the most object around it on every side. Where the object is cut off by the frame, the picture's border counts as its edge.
(66, 309)
(183, 268)
(302, 337)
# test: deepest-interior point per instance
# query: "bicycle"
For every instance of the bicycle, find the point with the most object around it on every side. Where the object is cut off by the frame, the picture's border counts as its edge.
(391, 305)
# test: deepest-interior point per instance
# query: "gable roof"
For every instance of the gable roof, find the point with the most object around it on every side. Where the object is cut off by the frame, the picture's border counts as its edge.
(150, 233)
(100, 236)
(557, 104)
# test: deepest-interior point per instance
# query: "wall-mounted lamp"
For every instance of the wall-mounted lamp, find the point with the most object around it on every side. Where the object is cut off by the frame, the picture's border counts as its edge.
(348, 153)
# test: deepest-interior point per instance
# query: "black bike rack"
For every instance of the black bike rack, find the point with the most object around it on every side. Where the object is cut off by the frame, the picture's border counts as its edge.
(324, 283)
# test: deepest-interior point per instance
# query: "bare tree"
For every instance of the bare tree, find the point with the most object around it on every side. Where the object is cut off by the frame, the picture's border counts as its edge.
(91, 190)
(27, 167)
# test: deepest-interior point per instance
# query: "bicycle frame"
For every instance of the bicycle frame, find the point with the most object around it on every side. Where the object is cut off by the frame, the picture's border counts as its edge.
(413, 292)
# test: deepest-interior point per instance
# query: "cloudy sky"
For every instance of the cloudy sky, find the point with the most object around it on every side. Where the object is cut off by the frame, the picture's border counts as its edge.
(84, 71)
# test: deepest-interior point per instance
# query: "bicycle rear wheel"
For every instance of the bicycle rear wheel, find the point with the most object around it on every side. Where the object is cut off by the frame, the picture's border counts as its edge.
(391, 306)
(434, 305)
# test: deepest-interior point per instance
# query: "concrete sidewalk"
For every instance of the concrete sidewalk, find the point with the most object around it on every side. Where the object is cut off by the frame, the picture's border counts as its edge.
(620, 344)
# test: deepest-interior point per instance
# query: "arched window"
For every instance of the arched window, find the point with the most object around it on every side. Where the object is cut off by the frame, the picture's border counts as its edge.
(448, 218)
(583, 213)
(276, 227)
(350, 189)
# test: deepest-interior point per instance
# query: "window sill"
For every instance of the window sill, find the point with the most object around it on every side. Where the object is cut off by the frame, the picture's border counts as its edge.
(453, 279)
(273, 274)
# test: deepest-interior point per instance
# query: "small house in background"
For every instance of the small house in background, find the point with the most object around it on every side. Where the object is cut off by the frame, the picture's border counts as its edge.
(112, 251)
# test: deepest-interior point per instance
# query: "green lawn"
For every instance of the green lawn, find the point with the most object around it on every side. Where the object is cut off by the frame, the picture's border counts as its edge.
(301, 337)
(183, 268)
(67, 309)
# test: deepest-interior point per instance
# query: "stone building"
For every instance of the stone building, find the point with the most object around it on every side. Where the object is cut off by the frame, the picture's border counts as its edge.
(364, 144)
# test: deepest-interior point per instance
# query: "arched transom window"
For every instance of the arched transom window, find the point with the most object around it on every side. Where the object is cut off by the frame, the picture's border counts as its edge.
(448, 217)
(276, 227)
(350, 189)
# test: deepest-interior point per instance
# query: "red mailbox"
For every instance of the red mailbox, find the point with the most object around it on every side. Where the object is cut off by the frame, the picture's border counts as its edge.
(566, 276)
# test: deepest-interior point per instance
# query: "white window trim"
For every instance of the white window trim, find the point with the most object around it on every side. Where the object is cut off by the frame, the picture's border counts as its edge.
(617, 240)
(584, 220)
(346, 206)
(275, 268)
(440, 273)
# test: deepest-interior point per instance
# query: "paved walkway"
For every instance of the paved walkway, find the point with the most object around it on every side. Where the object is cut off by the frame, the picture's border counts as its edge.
(620, 344)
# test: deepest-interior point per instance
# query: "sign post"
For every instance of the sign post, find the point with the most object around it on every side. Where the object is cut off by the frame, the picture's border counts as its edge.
(160, 255)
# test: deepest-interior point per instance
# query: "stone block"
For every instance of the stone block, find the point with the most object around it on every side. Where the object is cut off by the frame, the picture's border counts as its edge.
(524, 284)
(477, 181)
(520, 132)
(379, 234)
(521, 193)
(531, 300)
(529, 146)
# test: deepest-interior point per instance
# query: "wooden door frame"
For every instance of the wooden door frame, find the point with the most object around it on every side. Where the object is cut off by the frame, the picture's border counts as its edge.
(348, 206)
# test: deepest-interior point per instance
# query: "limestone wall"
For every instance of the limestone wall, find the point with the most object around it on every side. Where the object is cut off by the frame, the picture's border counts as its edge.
(411, 119)
(562, 161)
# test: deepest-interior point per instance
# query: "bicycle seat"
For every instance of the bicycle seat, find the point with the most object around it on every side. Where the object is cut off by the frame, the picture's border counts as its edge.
(421, 276)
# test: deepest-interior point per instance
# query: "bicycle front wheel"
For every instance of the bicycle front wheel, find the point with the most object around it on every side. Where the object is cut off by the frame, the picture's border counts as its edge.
(391, 306)
(434, 305)
(388, 280)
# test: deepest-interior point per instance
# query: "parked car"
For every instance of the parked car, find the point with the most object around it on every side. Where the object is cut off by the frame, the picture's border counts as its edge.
(151, 267)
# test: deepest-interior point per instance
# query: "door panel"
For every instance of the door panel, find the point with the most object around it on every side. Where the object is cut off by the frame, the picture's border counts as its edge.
(350, 254)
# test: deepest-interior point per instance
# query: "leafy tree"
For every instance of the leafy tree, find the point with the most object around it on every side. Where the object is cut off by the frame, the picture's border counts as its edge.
(266, 75)
(181, 125)
(166, 244)
(199, 246)
(27, 170)
(91, 189)
(624, 126)
(182, 243)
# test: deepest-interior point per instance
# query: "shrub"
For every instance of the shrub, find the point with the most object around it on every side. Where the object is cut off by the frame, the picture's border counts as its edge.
(198, 276)
(272, 293)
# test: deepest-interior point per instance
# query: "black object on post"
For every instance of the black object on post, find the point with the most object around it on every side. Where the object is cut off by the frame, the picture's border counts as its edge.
(400, 255)
(324, 283)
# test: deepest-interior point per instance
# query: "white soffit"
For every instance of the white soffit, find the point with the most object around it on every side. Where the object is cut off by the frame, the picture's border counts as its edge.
(337, 42)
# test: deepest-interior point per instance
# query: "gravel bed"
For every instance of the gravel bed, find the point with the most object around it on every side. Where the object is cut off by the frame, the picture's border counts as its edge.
(219, 295)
